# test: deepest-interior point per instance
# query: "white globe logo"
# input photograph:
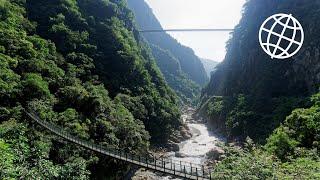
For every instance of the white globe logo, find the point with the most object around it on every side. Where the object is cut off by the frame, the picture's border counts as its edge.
(281, 36)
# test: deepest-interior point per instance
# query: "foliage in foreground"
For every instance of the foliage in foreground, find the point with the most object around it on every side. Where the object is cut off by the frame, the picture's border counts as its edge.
(256, 163)
(291, 152)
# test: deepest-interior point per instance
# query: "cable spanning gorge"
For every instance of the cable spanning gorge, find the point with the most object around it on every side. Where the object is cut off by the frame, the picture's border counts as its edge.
(164, 165)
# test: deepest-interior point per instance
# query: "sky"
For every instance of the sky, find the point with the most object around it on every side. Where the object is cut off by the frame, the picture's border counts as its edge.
(188, 14)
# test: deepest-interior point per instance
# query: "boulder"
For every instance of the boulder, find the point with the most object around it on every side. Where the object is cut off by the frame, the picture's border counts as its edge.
(180, 155)
(216, 154)
(176, 138)
(171, 146)
(185, 134)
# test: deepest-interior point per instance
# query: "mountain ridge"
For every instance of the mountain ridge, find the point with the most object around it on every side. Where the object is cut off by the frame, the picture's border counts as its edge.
(190, 66)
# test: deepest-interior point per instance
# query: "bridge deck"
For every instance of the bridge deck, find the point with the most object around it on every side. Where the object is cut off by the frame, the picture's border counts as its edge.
(166, 166)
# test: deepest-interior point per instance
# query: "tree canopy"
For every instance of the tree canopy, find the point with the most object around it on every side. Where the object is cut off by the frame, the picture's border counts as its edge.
(80, 65)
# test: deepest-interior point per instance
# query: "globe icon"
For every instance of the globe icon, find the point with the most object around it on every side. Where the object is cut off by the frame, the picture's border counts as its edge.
(281, 36)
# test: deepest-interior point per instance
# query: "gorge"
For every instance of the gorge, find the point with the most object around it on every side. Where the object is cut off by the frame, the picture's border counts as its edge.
(83, 65)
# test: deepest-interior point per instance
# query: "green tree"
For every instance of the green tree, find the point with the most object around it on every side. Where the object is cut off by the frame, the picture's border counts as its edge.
(35, 86)
(6, 161)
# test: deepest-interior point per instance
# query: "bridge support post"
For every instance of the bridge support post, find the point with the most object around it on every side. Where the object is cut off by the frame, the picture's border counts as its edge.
(202, 171)
(184, 171)
(139, 157)
(147, 162)
(197, 173)
(180, 166)
(174, 169)
(161, 162)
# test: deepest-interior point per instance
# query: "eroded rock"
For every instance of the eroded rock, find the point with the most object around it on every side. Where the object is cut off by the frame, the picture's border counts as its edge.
(216, 153)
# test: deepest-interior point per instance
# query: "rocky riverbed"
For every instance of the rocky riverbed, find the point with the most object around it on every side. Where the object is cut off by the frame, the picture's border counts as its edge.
(191, 145)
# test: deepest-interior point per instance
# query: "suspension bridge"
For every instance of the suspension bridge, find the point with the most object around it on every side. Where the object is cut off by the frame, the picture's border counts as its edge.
(166, 166)
(186, 30)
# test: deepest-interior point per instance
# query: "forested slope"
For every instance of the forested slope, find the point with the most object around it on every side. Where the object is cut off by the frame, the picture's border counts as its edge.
(181, 68)
(80, 65)
(274, 102)
(266, 90)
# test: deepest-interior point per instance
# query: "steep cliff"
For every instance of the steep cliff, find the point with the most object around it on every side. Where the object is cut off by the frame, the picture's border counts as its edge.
(265, 90)
(254, 99)
(185, 72)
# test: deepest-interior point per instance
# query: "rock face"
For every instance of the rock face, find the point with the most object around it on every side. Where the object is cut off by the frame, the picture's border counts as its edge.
(248, 82)
(248, 70)
(308, 68)
(190, 64)
(181, 68)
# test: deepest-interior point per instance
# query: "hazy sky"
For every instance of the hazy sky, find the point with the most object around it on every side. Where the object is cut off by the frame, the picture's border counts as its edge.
(174, 14)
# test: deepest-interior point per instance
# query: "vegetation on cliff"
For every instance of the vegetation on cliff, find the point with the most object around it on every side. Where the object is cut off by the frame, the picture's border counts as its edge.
(268, 100)
(252, 93)
(181, 68)
(79, 64)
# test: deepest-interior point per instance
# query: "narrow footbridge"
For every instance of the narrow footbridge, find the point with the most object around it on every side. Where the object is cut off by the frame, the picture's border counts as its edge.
(166, 166)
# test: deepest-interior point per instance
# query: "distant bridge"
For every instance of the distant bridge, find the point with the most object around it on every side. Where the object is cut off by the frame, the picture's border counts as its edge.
(163, 165)
(184, 30)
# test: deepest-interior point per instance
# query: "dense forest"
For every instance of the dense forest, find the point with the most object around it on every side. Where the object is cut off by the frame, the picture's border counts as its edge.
(81, 65)
(271, 103)
(181, 68)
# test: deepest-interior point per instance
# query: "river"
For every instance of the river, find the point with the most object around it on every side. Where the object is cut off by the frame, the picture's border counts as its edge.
(192, 150)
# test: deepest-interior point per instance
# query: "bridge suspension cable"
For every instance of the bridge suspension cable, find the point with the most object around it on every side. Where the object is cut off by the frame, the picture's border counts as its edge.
(164, 165)
(184, 30)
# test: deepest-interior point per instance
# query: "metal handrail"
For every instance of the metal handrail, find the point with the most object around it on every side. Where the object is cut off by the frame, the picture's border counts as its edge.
(164, 165)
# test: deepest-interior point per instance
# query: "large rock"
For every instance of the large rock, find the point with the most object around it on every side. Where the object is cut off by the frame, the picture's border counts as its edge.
(181, 135)
(171, 146)
(216, 154)
(185, 134)
(176, 138)
(143, 174)
(180, 155)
